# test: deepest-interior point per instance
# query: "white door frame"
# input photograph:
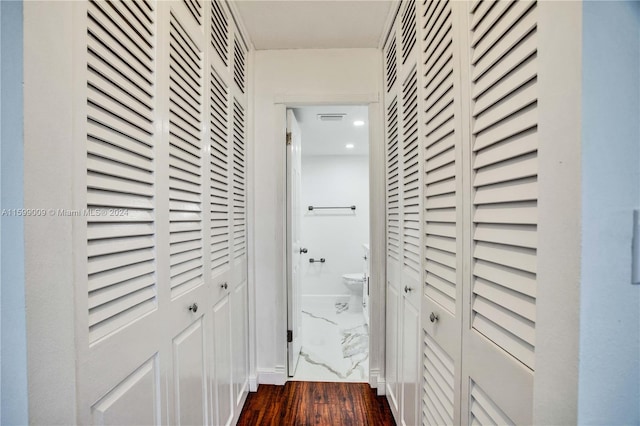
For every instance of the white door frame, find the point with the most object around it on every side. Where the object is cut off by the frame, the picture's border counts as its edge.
(377, 229)
(294, 260)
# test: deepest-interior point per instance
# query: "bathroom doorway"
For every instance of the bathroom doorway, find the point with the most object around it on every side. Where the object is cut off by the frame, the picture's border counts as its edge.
(328, 243)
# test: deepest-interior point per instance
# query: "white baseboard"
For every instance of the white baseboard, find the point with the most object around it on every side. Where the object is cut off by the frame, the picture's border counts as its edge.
(271, 376)
(253, 383)
(377, 381)
(373, 377)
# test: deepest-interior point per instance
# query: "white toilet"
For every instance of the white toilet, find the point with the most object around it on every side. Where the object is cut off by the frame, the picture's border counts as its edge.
(355, 284)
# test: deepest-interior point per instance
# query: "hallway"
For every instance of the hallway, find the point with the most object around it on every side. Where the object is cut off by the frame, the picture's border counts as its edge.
(144, 264)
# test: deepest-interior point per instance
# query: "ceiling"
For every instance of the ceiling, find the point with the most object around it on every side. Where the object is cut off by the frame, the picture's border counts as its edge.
(330, 137)
(314, 24)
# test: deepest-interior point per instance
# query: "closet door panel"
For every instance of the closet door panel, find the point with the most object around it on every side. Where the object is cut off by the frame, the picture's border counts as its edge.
(393, 183)
(119, 179)
(393, 177)
(411, 215)
(439, 396)
(503, 225)
(443, 191)
(116, 289)
(393, 157)
(220, 194)
(239, 326)
(238, 191)
(189, 366)
(411, 193)
(135, 400)
(221, 204)
(410, 157)
(221, 382)
(393, 343)
(411, 376)
(185, 195)
(185, 155)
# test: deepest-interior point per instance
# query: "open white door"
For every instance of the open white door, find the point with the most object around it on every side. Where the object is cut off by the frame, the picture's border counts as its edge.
(294, 248)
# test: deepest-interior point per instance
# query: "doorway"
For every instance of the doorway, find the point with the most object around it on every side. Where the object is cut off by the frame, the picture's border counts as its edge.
(328, 231)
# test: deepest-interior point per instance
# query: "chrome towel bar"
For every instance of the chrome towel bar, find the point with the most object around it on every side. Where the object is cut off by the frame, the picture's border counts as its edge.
(338, 207)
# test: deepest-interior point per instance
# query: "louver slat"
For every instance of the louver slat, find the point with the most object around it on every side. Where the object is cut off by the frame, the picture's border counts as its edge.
(393, 182)
(484, 411)
(125, 37)
(437, 27)
(120, 165)
(239, 64)
(219, 180)
(392, 64)
(410, 171)
(480, 12)
(438, 385)
(185, 160)
(239, 181)
(505, 185)
(220, 31)
(440, 157)
(195, 8)
(408, 29)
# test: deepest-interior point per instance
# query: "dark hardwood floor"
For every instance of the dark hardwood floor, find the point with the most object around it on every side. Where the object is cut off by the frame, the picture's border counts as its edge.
(315, 403)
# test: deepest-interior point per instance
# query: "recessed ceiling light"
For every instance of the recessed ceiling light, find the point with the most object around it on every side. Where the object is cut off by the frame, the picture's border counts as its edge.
(337, 116)
(349, 146)
(358, 123)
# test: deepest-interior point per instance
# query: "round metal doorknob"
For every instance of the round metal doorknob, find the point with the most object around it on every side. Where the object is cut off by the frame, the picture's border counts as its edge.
(224, 286)
(407, 289)
(303, 250)
(193, 308)
(433, 317)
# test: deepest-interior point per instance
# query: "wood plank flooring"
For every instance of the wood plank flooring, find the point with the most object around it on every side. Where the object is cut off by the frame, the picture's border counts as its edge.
(315, 403)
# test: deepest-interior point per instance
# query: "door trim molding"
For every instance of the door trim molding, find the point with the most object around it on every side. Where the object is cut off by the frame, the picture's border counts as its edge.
(295, 100)
(376, 220)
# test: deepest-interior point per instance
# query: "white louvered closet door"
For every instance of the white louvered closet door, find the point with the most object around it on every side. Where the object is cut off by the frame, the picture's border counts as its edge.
(221, 202)
(411, 217)
(441, 143)
(183, 153)
(238, 157)
(499, 332)
(393, 177)
(410, 159)
(117, 288)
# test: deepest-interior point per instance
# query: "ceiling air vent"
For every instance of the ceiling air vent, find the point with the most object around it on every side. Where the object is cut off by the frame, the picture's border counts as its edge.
(331, 117)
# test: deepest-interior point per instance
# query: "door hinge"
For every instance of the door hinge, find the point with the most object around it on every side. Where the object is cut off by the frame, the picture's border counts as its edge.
(289, 336)
(288, 138)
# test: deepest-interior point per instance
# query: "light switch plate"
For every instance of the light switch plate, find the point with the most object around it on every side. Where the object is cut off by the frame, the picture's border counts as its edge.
(635, 255)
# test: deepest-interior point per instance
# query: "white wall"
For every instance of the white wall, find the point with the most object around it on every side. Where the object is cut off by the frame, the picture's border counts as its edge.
(336, 235)
(609, 384)
(14, 409)
(332, 75)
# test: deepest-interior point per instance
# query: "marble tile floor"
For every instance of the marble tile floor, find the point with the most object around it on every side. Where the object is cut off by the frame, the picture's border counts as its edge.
(335, 344)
